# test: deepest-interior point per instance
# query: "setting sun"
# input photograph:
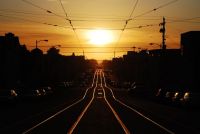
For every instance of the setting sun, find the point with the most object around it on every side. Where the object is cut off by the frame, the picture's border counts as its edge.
(100, 37)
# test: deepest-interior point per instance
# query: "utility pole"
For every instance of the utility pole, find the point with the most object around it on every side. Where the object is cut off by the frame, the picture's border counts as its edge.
(114, 54)
(162, 30)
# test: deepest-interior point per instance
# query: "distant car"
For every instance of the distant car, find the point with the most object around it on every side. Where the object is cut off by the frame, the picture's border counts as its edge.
(126, 84)
(69, 84)
(160, 94)
(60, 85)
(137, 89)
(42, 91)
(168, 96)
(113, 83)
(29, 94)
(7, 95)
(176, 97)
(191, 99)
(48, 90)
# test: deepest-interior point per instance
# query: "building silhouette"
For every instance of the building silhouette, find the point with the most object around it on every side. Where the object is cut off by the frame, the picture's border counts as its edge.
(170, 68)
(190, 44)
(190, 50)
(22, 68)
(9, 57)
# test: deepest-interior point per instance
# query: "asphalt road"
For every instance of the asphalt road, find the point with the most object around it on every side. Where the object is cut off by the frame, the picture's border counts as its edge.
(99, 111)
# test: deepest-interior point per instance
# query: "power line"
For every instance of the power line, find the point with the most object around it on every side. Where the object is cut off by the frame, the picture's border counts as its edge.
(172, 21)
(183, 20)
(84, 20)
(39, 7)
(155, 9)
(97, 28)
(81, 28)
(63, 17)
(88, 47)
(63, 9)
(134, 7)
(44, 23)
(122, 30)
(94, 52)
(125, 25)
(70, 22)
(24, 12)
(142, 26)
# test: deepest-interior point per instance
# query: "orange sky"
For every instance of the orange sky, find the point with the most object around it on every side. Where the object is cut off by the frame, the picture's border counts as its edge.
(25, 21)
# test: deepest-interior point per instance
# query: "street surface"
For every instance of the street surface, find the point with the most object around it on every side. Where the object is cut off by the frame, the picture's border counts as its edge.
(101, 109)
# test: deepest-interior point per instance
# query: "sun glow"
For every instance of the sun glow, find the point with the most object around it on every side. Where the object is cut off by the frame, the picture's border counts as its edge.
(100, 37)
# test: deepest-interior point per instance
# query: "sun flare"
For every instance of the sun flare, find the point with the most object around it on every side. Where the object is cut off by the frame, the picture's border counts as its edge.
(100, 37)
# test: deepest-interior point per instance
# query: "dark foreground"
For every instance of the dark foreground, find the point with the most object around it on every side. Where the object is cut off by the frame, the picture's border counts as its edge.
(97, 109)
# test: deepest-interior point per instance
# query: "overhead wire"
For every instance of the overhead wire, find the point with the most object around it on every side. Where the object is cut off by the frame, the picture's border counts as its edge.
(24, 12)
(155, 9)
(142, 26)
(126, 47)
(126, 20)
(70, 22)
(122, 29)
(125, 25)
(81, 28)
(33, 21)
(184, 20)
(169, 22)
(96, 28)
(84, 20)
(135, 5)
(46, 10)
(63, 17)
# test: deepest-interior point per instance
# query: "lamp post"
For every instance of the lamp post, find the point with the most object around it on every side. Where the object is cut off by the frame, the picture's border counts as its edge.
(37, 41)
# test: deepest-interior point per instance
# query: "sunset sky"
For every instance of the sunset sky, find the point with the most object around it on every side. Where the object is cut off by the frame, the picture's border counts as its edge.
(98, 23)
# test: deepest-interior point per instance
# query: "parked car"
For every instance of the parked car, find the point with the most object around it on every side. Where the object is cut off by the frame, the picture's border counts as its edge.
(168, 97)
(160, 94)
(60, 85)
(191, 99)
(137, 89)
(48, 90)
(126, 84)
(68, 83)
(8, 95)
(42, 91)
(29, 94)
(176, 97)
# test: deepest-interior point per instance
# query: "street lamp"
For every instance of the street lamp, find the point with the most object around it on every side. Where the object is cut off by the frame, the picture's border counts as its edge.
(37, 41)
(155, 44)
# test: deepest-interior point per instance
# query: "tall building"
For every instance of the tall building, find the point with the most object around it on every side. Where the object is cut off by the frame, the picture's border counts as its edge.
(190, 46)
(9, 60)
(9, 40)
